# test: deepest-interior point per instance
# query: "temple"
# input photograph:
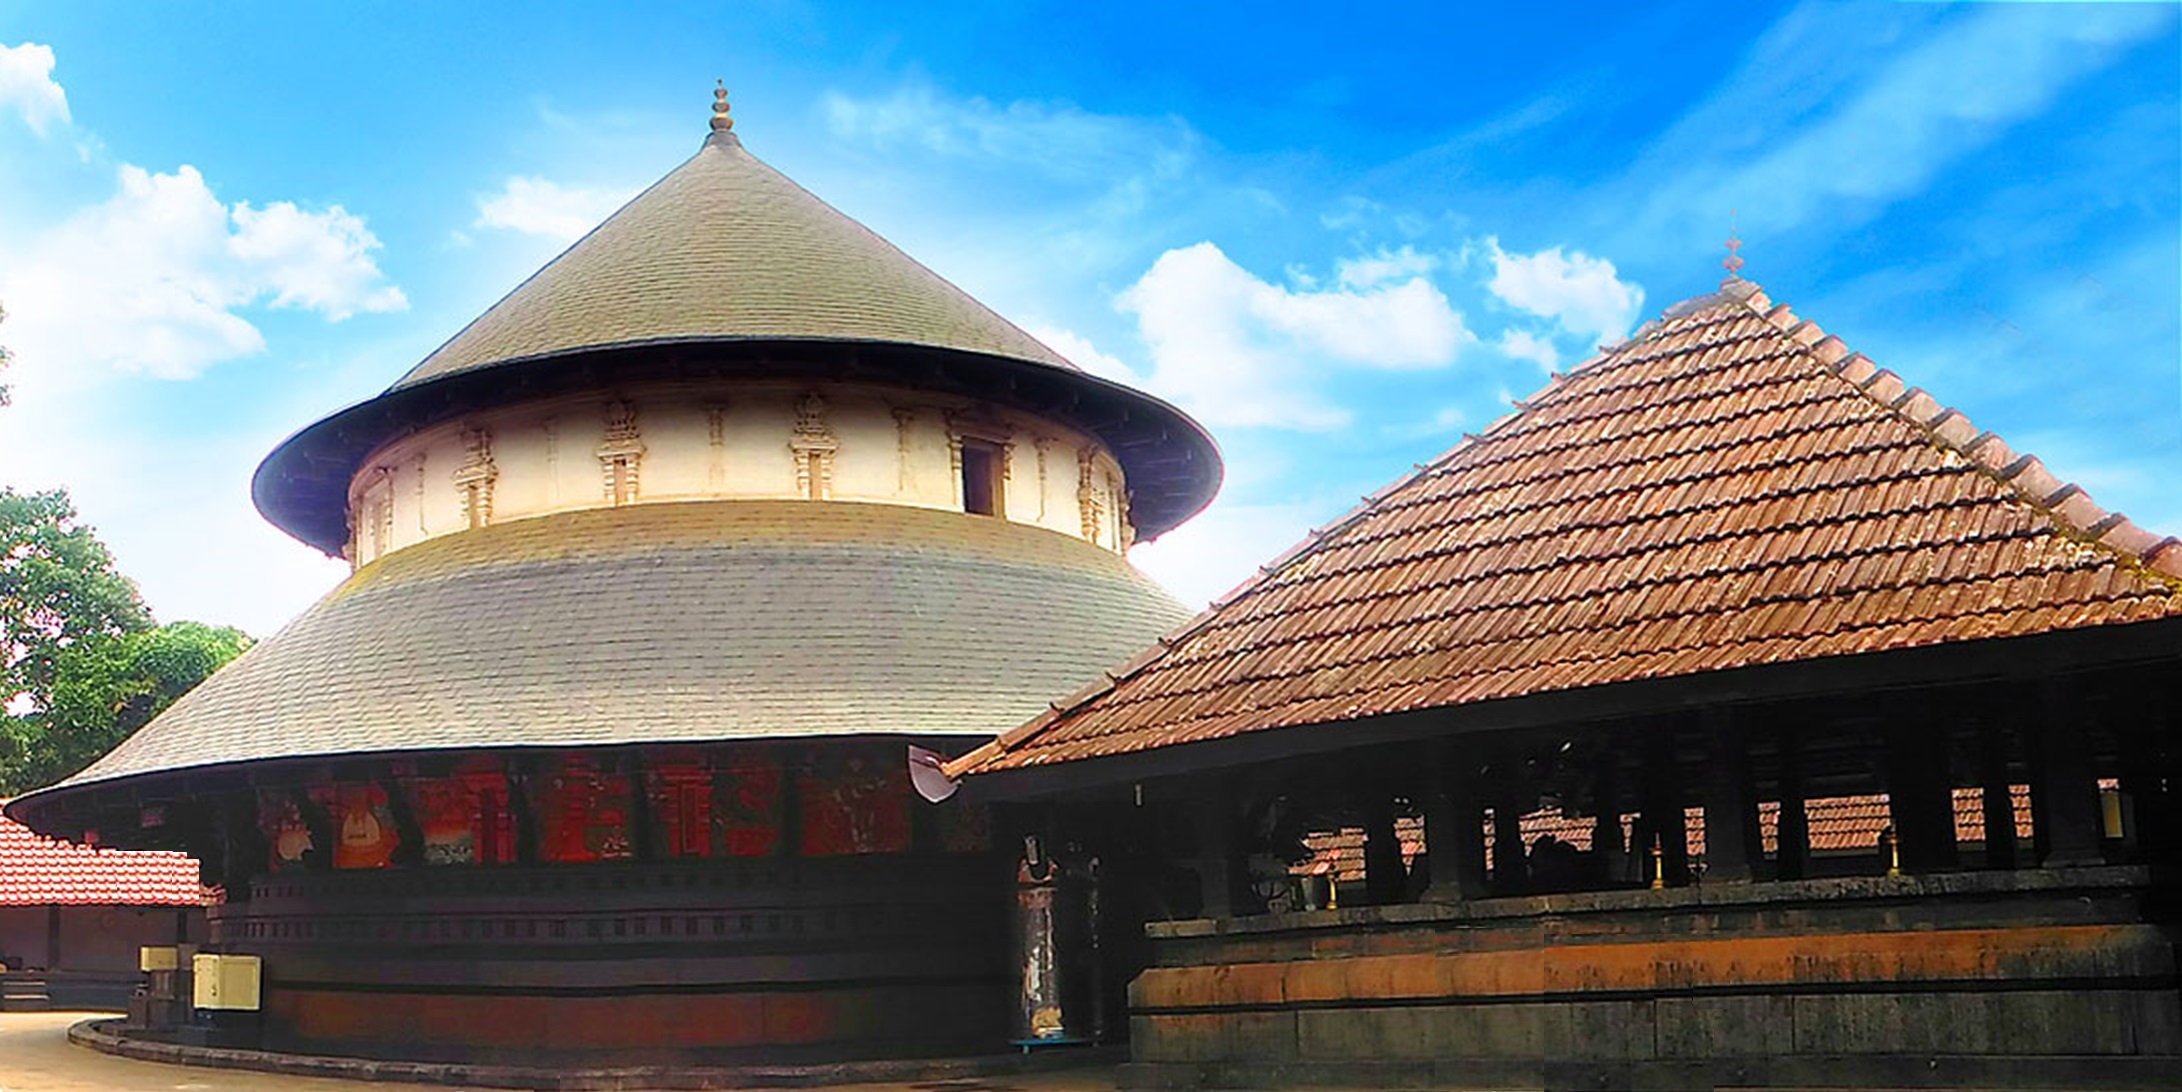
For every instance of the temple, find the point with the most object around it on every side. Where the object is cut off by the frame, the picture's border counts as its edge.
(1731, 714)
(659, 565)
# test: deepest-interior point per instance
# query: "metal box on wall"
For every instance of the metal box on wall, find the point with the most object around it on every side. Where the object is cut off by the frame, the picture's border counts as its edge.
(225, 982)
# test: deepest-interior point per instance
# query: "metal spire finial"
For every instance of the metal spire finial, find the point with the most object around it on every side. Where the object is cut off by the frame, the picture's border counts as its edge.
(721, 123)
(1733, 261)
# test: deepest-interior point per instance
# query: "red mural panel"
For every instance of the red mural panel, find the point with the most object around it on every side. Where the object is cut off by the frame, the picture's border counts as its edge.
(680, 794)
(747, 804)
(287, 832)
(364, 835)
(464, 818)
(853, 803)
(583, 813)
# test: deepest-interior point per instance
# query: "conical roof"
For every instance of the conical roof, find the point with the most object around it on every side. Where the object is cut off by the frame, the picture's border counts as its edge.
(726, 268)
(727, 247)
(1730, 488)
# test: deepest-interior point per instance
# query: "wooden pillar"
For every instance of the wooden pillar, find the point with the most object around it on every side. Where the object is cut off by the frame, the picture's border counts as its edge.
(53, 938)
(1665, 821)
(1920, 792)
(1998, 800)
(1792, 834)
(1606, 844)
(1511, 861)
(1222, 876)
(2064, 795)
(1731, 815)
(1454, 830)
(1385, 879)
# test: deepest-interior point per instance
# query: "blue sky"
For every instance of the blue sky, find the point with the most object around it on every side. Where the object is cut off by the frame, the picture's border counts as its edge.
(1338, 242)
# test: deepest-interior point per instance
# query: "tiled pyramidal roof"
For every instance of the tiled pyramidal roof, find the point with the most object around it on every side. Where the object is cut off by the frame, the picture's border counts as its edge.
(728, 247)
(1730, 487)
(37, 871)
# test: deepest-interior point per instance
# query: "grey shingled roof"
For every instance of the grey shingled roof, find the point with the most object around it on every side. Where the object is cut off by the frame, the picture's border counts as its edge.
(674, 622)
(727, 247)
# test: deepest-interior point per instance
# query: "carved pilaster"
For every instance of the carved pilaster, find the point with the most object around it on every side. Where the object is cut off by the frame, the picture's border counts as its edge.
(417, 491)
(905, 420)
(1043, 445)
(552, 430)
(716, 446)
(1124, 531)
(813, 444)
(1087, 498)
(475, 477)
(621, 453)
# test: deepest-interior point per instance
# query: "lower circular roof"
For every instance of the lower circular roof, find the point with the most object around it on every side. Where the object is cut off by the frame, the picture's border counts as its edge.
(671, 622)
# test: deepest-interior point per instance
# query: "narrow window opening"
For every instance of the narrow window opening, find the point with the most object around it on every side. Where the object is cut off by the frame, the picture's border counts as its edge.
(981, 494)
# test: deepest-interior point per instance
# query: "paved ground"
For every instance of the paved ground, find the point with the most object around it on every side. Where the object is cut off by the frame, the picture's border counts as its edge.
(35, 1056)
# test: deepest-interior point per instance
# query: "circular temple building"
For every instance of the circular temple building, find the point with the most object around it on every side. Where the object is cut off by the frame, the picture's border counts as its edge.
(659, 564)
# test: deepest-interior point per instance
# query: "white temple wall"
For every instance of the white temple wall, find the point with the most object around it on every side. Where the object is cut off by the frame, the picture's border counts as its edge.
(691, 441)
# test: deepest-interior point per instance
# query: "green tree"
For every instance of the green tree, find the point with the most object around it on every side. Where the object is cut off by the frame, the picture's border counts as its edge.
(81, 663)
(57, 587)
(104, 689)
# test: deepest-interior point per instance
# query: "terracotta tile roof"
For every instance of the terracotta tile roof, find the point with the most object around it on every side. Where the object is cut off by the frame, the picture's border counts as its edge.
(681, 622)
(37, 871)
(1731, 487)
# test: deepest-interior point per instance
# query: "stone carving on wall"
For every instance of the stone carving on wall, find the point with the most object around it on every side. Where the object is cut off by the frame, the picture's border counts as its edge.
(715, 446)
(417, 491)
(905, 420)
(1087, 498)
(371, 519)
(475, 477)
(620, 453)
(813, 444)
(552, 430)
(1043, 445)
(1124, 532)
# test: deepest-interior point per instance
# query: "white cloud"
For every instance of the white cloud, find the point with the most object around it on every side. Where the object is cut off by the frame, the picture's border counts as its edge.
(1581, 292)
(1222, 547)
(151, 279)
(537, 206)
(1524, 345)
(1384, 266)
(1079, 350)
(1235, 350)
(27, 87)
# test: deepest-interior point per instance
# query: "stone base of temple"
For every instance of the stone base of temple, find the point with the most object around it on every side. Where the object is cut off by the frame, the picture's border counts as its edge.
(770, 961)
(107, 1036)
(2033, 979)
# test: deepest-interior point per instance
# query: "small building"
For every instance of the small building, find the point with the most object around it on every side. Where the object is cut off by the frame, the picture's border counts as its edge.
(72, 918)
(1757, 721)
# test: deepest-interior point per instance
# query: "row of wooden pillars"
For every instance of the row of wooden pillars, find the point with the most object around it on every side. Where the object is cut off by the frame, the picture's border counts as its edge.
(1912, 746)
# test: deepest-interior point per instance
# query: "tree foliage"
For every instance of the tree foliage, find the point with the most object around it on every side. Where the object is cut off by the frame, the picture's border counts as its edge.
(81, 663)
(57, 587)
(104, 689)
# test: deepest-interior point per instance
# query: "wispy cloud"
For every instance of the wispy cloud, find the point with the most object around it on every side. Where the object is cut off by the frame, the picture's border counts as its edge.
(27, 86)
(539, 206)
(1891, 127)
(1057, 139)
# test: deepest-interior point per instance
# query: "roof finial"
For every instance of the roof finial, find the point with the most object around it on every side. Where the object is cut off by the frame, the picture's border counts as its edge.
(1733, 261)
(721, 123)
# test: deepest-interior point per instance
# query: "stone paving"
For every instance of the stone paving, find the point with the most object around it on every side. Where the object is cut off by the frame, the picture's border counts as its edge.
(35, 1056)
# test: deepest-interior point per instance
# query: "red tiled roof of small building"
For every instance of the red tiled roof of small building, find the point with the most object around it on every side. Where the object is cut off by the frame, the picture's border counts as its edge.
(1729, 488)
(37, 871)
